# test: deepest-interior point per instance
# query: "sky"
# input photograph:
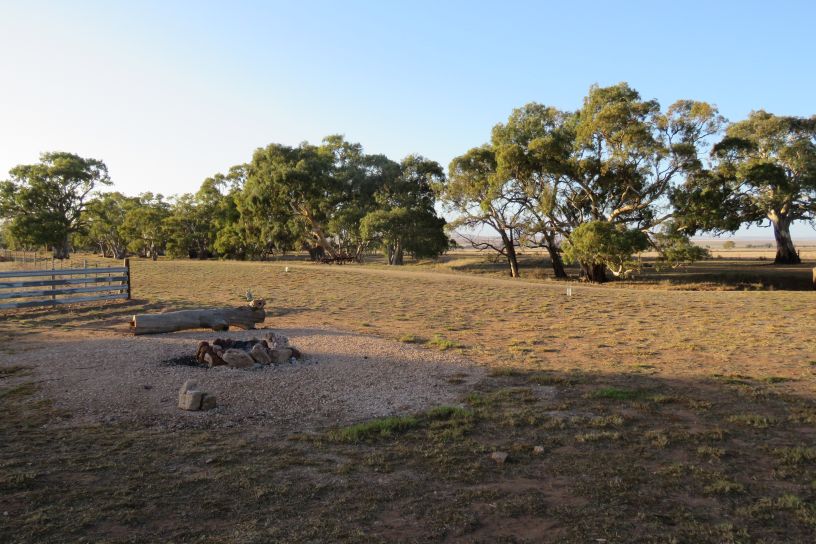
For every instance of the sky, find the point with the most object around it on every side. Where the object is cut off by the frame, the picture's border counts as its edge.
(169, 93)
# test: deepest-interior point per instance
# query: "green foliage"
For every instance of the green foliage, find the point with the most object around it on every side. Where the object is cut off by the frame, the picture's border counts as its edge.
(105, 219)
(44, 202)
(603, 243)
(405, 219)
(764, 170)
(547, 172)
(676, 249)
(145, 225)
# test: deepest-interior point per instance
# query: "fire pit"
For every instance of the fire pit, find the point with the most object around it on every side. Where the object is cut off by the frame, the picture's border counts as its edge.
(273, 349)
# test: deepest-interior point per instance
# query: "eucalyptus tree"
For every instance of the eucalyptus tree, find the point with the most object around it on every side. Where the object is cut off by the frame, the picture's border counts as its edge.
(765, 171)
(105, 219)
(296, 183)
(404, 219)
(532, 148)
(43, 203)
(361, 178)
(484, 199)
(145, 225)
(617, 160)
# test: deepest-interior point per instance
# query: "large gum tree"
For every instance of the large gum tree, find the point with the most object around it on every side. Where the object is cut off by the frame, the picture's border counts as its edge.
(44, 203)
(764, 173)
(616, 160)
(484, 199)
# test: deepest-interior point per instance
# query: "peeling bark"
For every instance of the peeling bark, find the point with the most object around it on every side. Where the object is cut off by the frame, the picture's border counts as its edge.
(785, 251)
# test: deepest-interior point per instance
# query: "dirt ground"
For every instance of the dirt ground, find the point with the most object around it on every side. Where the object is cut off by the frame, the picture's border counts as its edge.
(628, 415)
(342, 378)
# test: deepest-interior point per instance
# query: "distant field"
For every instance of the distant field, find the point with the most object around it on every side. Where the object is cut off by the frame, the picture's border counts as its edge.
(661, 415)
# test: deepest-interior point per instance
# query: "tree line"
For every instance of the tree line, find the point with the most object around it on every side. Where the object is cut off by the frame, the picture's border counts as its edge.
(332, 199)
(595, 186)
(622, 175)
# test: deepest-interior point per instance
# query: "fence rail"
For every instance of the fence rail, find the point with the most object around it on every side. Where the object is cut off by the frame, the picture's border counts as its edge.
(111, 282)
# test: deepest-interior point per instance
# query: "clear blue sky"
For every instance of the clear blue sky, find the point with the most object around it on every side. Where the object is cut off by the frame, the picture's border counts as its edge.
(168, 93)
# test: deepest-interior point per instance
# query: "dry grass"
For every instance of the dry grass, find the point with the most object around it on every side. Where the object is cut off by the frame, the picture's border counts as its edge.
(662, 415)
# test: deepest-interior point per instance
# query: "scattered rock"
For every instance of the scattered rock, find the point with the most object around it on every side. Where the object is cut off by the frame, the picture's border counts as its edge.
(147, 387)
(261, 354)
(281, 355)
(189, 385)
(208, 402)
(538, 450)
(237, 358)
(191, 400)
(276, 340)
(499, 456)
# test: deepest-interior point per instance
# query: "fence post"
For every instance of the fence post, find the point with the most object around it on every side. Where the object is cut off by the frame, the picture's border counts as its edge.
(127, 277)
(53, 296)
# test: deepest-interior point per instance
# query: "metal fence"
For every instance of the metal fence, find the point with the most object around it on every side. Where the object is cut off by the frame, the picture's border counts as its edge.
(59, 286)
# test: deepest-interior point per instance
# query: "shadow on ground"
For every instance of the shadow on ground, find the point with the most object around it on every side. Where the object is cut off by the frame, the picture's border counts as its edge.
(590, 457)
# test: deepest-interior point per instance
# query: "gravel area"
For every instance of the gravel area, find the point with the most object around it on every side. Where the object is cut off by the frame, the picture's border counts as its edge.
(341, 379)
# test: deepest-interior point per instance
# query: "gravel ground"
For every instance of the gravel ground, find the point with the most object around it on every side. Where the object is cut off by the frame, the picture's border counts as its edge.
(341, 379)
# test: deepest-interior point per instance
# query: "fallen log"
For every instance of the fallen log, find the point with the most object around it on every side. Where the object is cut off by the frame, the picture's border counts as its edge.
(217, 319)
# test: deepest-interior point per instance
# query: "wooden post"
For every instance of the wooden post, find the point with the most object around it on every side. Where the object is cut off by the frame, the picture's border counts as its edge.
(814, 277)
(127, 277)
(53, 296)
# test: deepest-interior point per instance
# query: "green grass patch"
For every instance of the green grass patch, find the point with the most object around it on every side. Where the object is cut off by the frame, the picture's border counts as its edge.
(448, 412)
(795, 455)
(616, 393)
(376, 428)
(777, 379)
(722, 486)
(441, 343)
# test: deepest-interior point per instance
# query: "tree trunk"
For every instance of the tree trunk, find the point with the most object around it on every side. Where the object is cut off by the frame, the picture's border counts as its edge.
(785, 251)
(555, 257)
(510, 253)
(557, 263)
(317, 231)
(217, 319)
(62, 251)
(397, 255)
(595, 273)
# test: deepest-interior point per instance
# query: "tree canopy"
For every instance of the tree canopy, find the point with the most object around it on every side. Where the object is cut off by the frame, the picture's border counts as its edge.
(44, 203)
(546, 172)
(764, 170)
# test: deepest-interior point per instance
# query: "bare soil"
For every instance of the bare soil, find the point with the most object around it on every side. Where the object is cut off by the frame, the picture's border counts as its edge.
(342, 378)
